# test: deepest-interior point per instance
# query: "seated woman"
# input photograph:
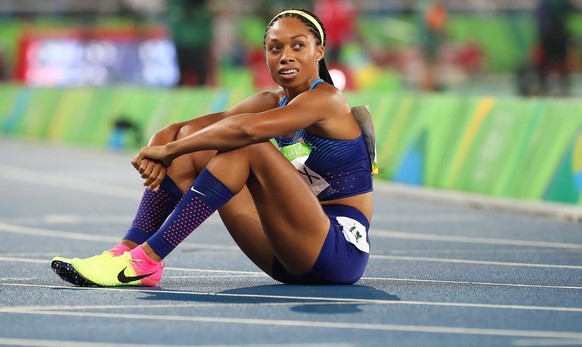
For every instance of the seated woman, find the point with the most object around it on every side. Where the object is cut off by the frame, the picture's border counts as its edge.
(300, 211)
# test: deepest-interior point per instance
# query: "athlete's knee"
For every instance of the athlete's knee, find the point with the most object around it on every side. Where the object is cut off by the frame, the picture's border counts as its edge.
(187, 130)
(259, 148)
(165, 135)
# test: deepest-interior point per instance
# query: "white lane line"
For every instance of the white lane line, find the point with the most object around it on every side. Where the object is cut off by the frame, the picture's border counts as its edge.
(61, 182)
(24, 260)
(429, 218)
(296, 299)
(262, 274)
(473, 200)
(493, 284)
(84, 219)
(63, 343)
(72, 219)
(103, 238)
(70, 343)
(17, 229)
(474, 262)
(18, 309)
(236, 272)
(546, 342)
(387, 279)
(322, 324)
(5, 227)
(470, 239)
(16, 279)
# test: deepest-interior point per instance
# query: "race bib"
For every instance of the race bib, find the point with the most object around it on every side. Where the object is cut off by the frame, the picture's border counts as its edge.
(355, 233)
(297, 154)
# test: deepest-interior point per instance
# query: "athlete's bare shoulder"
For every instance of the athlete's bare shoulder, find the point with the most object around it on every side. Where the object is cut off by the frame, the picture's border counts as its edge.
(334, 96)
(324, 99)
(259, 102)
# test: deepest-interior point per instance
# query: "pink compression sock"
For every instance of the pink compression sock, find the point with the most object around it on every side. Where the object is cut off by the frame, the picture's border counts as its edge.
(144, 265)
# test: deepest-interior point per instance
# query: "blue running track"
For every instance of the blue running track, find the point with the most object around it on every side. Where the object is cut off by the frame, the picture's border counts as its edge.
(440, 274)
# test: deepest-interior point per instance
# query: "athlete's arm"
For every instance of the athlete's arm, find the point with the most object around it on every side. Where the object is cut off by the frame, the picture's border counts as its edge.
(153, 171)
(315, 107)
(256, 103)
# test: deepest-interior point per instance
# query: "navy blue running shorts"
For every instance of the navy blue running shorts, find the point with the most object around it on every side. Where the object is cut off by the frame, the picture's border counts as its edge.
(340, 261)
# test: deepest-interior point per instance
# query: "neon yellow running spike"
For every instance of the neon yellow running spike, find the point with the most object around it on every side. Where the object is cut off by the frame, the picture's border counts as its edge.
(108, 270)
(118, 249)
(63, 260)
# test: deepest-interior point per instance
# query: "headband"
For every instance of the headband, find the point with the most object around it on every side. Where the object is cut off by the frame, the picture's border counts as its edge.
(306, 16)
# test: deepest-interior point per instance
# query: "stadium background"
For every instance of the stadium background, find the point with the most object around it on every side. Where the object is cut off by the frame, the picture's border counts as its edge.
(105, 75)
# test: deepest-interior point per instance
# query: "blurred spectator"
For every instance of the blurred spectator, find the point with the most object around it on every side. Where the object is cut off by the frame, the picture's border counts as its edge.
(191, 25)
(339, 18)
(3, 72)
(432, 23)
(470, 57)
(553, 37)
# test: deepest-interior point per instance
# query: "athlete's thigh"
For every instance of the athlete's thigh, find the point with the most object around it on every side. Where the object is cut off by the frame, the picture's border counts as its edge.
(242, 221)
(290, 214)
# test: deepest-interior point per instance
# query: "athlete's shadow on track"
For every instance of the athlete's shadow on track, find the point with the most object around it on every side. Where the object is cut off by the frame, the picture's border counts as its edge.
(307, 299)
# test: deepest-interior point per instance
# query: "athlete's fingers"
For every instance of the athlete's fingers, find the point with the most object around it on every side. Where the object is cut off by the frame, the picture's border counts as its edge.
(136, 161)
(151, 173)
(155, 185)
(145, 168)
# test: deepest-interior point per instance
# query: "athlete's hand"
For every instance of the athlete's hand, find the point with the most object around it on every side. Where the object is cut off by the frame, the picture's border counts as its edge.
(153, 173)
(152, 162)
(155, 153)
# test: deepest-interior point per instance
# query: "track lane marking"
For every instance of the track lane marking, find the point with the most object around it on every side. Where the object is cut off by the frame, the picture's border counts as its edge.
(470, 239)
(17, 229)
(321, 324)
(64, 343)
(70, 343)
(337, 300)
(262, 274)
(12, 228)
(69, 182)
(474, 262)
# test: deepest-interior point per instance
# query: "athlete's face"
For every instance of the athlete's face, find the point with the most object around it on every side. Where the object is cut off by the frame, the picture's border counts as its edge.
(292, 53)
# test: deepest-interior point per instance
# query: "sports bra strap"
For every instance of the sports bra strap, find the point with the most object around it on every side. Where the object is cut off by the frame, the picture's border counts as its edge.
(316, 82)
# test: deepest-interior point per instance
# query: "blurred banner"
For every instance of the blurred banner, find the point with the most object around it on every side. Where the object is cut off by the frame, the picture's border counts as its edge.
(96, 57)
(528, 149)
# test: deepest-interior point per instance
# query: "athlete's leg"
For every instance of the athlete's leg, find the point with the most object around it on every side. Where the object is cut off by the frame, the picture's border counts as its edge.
(239, 215)
(290, 216)
(292, 221)
(242, 221)
(156, 206)
(185, 168)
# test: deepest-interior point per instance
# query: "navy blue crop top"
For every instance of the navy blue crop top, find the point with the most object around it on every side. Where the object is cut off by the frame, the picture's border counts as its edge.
(344, 164)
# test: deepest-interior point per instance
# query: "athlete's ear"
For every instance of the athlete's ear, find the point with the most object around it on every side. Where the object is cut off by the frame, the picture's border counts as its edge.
(320, 52)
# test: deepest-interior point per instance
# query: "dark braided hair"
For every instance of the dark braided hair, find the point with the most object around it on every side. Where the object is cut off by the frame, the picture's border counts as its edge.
(323, 71)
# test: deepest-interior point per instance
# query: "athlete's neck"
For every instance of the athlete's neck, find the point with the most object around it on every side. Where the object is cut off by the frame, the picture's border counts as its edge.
(291, 93)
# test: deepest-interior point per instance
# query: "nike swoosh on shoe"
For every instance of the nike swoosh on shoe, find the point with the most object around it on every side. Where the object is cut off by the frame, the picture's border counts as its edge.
(127, 279)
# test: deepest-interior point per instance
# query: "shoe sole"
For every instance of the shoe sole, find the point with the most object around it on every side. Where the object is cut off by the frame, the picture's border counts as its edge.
(68, 273)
